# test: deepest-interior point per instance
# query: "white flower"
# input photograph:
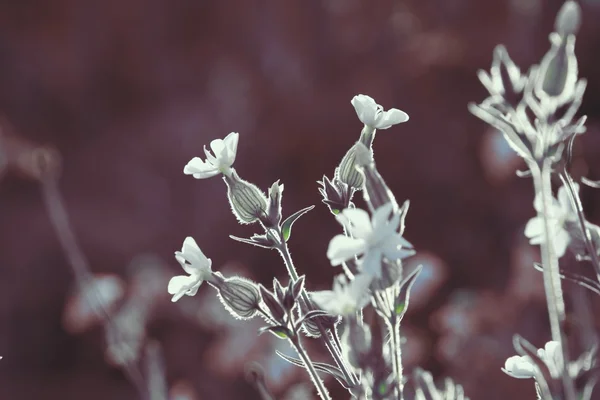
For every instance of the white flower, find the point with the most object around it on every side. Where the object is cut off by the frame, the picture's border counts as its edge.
(522, 367)
(195, 263)
(560, 212)
(373, 239)
(372, 115)
(345, 298)
(220, 163)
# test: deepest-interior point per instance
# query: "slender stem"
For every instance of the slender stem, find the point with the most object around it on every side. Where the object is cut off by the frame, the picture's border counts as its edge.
(329, 343)
(321, 389)
(396, 347)
(57, 212)
(552, 284)
(568, 182)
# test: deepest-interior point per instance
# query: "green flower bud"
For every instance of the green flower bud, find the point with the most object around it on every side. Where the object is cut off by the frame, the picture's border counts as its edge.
(247, 201)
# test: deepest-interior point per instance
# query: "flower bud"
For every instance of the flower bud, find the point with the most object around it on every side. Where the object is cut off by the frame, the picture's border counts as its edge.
(336, 195)
(557, 76)
(568, 18)
(239, 296)
(346, 171)
(247, 202)
(274, 209)
(376, 191)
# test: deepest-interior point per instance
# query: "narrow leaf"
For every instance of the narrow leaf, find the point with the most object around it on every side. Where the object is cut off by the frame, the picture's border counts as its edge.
(309, 315)
(280, 331)
(319, 366)
(286, 227)
(256, 240)
(401, 302)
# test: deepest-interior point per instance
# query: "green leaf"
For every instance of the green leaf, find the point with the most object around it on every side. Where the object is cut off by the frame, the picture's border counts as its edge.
(280, 331)
(399, 309)
(335, 211)
(286, 227)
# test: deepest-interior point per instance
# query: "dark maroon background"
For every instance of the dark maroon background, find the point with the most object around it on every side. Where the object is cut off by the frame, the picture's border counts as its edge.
(128, 91)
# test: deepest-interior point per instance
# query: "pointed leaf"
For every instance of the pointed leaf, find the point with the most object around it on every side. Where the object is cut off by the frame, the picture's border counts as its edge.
(275, 308)
(257, 240)
(319, 366)
(297, 287)
(309, 315)
(280, 331)
(286, 227)
(401, 301)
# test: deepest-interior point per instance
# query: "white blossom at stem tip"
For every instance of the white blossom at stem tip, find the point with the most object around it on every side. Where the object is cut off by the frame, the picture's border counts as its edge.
(218, 163)
(373, 239)
(195, 263)
(372, 114)
(345, 298)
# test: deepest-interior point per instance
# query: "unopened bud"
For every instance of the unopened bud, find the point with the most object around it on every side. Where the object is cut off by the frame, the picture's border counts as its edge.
(376, 191)
(346, 172)
(335, 194)
(239, 296)
(247, 201)
(274, 209)
(568, 18)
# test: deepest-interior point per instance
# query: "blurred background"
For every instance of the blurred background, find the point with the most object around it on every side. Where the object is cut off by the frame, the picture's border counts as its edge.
(117, 96)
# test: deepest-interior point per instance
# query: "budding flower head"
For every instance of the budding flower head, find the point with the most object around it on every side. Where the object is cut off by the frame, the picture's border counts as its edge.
(274, 209)
(247, 201)
(220, 163)
(239, 296)
(372, 115)
(195, 263)
(568, 19)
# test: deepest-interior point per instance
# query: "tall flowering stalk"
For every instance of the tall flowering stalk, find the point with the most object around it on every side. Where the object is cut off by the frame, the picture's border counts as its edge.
(536, 114)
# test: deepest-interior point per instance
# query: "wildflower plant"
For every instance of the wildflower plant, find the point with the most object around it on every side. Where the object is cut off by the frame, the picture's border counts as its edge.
(536, 112)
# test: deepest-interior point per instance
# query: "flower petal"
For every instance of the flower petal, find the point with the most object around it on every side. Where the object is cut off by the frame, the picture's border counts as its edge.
(565, 200)
(342, 248)
(357, 222)
(519, 367)
(561, 242)
(231, 143)
(199, 169)
(370, 263)
(381, 219)
(391, 117)
(217, 146)
(182, 285)
(365, 108)
(534, 228)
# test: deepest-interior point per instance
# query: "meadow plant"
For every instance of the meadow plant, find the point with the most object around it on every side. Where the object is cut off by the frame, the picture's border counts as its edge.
(359, 320)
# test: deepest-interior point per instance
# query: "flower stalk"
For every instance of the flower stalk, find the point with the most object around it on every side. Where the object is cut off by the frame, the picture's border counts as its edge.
(541, 174)
(329, 343)
(318, 382)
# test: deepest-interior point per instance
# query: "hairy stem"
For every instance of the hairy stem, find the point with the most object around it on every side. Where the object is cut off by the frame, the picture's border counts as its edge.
(552, 284)
(318, 382)
(326, 337)
(395, 347)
